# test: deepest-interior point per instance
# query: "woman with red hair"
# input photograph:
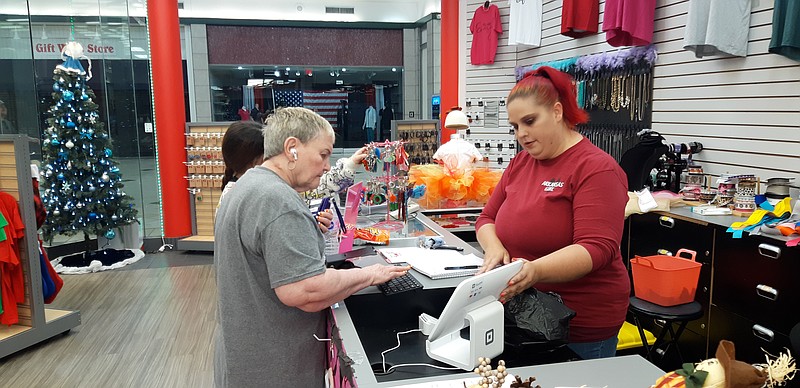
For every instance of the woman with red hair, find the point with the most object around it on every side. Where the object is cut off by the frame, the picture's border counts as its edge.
(560, 206)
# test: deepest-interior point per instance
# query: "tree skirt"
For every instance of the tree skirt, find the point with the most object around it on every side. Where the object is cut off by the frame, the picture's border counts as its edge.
(96, 261)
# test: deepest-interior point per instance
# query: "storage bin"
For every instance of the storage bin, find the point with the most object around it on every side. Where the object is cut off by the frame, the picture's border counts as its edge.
(666, 280)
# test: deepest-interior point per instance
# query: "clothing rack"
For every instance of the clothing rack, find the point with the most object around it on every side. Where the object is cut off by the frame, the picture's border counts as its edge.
(36, 323)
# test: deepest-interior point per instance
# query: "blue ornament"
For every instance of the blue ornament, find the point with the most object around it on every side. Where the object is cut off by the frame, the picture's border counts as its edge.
(114, 169)
(92, 216)
(70, 124)
(55, 142)
(68, 96)
(110, 234)
(60, 176)
(86, 135)
(107, 152)
(56, 88)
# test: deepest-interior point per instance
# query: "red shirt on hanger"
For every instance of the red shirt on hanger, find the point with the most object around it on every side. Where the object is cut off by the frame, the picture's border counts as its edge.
(485, 28)
(580, 18)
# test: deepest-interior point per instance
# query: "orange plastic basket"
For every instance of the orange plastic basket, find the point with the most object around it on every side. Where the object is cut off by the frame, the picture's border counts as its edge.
(666, 280)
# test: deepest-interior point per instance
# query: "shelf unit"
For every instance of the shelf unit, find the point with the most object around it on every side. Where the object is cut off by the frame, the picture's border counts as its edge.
(36, 323)
(205, 171)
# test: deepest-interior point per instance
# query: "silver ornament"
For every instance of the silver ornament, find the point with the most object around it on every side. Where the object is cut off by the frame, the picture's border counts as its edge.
(105, 177)
(56, 212)
(70, 144)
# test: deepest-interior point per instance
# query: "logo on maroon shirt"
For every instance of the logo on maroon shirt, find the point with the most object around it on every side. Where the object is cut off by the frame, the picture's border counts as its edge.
(552, 184)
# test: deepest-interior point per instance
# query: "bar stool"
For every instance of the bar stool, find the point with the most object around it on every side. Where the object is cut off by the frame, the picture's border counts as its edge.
(680, 314)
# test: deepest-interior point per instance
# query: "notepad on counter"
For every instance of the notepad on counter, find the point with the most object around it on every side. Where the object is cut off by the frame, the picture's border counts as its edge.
(434, 263)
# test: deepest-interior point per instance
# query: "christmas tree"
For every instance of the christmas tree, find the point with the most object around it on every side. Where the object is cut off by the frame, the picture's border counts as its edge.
(82, 187)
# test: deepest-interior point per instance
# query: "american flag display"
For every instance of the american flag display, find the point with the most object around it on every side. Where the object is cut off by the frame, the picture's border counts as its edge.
(289, 98)
(326, 104)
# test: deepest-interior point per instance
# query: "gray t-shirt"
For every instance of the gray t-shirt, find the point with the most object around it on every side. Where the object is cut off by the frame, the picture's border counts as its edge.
(266, 237)
(717, 26)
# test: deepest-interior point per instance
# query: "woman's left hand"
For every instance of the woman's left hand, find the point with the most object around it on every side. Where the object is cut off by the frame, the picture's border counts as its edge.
(359, 155)
(325, 220)
(524, 279)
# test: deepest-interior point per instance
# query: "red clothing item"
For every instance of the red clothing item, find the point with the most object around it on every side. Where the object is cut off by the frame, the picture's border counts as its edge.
(629, 22)
(12, 282)
(579, 197)
(485, 27)
(580, 18)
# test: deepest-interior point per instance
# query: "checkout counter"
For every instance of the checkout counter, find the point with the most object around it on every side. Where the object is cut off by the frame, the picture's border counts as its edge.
(365, 325)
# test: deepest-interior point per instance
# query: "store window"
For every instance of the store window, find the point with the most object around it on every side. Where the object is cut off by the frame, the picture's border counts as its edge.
(341, 94)
(114, 38)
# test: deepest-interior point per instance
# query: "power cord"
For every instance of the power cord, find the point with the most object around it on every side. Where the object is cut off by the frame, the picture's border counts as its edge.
(397, 335)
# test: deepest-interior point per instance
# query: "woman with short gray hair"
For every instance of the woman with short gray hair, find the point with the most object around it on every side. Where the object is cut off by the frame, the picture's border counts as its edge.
(272, 283)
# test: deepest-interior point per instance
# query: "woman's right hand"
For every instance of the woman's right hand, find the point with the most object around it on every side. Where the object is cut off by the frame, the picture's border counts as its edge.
(494, 256)
(380, 273)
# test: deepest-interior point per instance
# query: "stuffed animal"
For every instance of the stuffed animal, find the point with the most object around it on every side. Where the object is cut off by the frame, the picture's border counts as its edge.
(726, 372)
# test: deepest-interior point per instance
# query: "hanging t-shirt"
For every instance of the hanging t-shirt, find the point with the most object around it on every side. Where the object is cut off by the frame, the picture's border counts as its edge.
(717, 26)
(786, 29)
(525, 22)
(580, 18)
(485, 27)
(629, 22)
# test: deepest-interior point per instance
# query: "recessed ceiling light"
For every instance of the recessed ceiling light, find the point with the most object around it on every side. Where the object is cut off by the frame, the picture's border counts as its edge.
(394, 69)
(240, 68)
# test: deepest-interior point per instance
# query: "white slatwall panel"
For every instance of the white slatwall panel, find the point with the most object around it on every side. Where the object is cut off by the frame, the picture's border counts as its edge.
(745, 111)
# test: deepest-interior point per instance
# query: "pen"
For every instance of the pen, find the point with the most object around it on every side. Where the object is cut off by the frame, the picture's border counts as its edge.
(462, 267)
(448, 247)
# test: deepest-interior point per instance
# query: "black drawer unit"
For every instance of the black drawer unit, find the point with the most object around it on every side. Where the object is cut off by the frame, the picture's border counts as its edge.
(749, 336)
(654, 234)
(757, 277)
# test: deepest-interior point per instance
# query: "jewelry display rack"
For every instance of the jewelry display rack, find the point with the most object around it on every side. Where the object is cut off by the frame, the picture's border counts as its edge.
(421, 137)
(36, 323)
(205, 171)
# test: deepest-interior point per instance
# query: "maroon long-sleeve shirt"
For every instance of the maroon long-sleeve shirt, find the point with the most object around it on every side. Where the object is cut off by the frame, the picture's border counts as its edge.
(579, 197)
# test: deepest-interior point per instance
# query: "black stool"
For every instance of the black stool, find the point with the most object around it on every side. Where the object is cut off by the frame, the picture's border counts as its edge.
(680, 314)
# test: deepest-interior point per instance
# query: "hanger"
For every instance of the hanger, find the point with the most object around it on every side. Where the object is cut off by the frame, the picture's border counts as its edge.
(486, 4)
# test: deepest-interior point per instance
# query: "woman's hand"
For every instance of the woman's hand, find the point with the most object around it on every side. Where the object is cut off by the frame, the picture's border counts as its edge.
(493, 257)
(359, 155)
(325, 220)
(523, 280)
(380, 273)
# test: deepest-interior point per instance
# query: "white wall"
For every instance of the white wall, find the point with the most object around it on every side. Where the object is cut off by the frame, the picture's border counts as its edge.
(745, 111)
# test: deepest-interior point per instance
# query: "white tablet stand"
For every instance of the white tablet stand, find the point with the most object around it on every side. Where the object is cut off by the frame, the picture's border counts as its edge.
(474, 304)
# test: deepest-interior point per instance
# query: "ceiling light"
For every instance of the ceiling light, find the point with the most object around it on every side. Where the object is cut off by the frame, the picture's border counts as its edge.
(297, 73)
(344, 69)
(332, 73)
(137, 49)
(240, 68)
(17, 20)
(288, 68)
(394, 69)
(277, 73)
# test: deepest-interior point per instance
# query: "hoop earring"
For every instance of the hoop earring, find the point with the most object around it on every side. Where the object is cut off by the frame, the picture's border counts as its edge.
(292, 165)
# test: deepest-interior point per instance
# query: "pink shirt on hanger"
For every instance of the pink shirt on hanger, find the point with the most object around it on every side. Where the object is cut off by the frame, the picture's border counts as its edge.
(629, 22)
(485, 27)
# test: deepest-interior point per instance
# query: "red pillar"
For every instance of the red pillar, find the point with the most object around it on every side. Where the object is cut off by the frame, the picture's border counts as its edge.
(167, 75)
(450, 58)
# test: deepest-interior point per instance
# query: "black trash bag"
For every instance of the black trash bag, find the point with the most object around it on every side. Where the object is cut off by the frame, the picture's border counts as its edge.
(537, 318)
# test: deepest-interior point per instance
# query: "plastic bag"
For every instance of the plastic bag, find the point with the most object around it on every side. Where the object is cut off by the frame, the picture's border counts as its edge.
(535, 317)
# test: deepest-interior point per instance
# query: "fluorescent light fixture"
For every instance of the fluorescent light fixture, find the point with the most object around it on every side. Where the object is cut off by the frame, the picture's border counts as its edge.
(137, 49)
(259, 81)
(141, 56)
(17, 20)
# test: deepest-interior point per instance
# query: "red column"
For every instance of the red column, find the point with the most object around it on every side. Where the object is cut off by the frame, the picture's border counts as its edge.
(450, 58)
(167, 75)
